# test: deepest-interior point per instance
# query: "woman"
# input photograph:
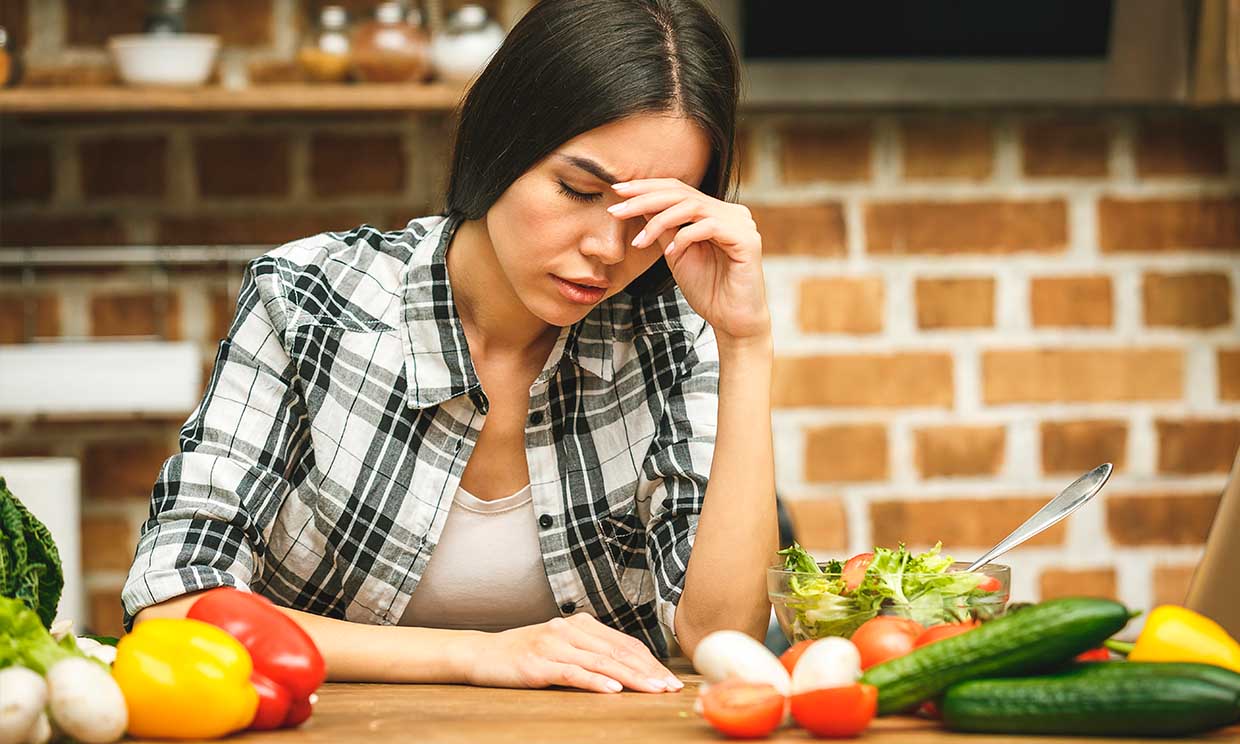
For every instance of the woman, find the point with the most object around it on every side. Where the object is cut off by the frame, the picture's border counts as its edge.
(522, 442)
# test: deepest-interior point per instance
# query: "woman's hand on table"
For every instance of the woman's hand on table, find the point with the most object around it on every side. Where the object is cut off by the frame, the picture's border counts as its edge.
(577, 651)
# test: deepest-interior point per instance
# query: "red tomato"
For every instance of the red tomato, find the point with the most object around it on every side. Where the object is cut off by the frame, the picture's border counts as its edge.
(854, 570)
(1094, 654)
(836, 711)
(743, 710)
(939, 632)
(930, 709)
(989, 584)
(790, 657)
(884, 638)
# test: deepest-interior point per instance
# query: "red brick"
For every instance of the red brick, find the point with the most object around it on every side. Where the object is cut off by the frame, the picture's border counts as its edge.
(1065, 147)
(955, 147)
(955, 303)
(1071, 302)
(335, 164)
(68, 230)
(865, 380)
(123, 469)
(136, 314)
(819, 523)
(1193, 446)
(1150, 225)
(45, 316)
(1181, 147)
(1081, 375)
(106, 613)
(237, 22)
(242, 165)
(825, 152)
(804, 229)
(1093, 582)
(132, 166)
(1171, 584)
(849, 452)
(961, 524)
(254, 229)
(1197, 300)
(1160, 518)
(1077, 446)
(1229, 374)
(25, 172)
(947, 451)
(986, 227)
(841, 305)
(108, 542)
(91, 22)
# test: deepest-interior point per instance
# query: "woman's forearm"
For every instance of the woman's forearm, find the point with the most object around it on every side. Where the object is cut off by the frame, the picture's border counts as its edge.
(738, 533)
(368, 653)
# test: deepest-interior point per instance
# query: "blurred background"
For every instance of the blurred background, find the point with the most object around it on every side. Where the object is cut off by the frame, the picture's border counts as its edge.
(1003, 246)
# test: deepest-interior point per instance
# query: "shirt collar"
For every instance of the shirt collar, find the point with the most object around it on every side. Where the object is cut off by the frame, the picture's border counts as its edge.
(437, 361)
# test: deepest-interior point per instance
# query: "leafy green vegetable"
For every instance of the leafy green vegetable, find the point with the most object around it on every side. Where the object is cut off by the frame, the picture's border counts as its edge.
(30, 567)
(918, 586)
(25, 642)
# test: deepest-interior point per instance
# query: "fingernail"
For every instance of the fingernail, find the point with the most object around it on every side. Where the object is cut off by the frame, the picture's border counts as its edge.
(670, 247)
(620, 185)
(640, 237)
(658, 684)
(614, 208)
(614, 686)
(674, 683)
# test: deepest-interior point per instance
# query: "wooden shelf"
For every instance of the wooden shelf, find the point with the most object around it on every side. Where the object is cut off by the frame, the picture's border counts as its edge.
(69, 101)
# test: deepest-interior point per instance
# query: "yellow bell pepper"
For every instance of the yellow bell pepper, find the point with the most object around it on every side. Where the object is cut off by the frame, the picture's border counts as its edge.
(1178, 634)
(184, 679)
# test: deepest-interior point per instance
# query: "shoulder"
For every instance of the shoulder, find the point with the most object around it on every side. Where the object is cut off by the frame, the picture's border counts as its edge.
(351, 279)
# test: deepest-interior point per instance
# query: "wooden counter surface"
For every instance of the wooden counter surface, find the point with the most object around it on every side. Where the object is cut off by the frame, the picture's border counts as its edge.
(378, 714)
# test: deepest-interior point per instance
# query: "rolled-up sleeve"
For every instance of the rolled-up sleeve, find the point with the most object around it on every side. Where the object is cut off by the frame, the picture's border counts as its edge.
(676, 471)
(213, 501)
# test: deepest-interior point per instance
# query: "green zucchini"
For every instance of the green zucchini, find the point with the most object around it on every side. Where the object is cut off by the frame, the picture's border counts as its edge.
(1038, 638)
(1080, 702)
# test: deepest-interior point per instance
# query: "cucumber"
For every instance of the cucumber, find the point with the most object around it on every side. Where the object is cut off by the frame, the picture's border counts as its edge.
(1216, 675)
(1038, 638)
(1080, 702)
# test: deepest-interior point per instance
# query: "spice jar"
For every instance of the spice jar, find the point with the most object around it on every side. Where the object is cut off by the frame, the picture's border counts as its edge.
(324, 57)
(390, 49)
(465, 45)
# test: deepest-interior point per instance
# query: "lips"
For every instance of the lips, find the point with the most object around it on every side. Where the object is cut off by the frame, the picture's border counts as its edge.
(581, 292)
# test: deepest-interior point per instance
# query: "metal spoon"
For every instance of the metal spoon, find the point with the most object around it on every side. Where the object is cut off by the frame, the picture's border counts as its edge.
(1069, 500)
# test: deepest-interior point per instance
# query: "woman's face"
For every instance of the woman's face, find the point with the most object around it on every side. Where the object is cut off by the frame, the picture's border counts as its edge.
(559, 248)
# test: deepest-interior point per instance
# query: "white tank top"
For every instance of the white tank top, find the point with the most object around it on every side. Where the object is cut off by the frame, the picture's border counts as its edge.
(487, 571)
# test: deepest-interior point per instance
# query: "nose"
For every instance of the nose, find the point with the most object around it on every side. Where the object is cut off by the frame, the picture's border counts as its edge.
(609, 241)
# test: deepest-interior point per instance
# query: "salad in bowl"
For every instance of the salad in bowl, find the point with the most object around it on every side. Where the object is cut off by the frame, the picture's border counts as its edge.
(815, 599)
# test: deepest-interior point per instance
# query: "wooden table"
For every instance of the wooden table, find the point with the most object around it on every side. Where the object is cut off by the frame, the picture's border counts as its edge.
(377, 714)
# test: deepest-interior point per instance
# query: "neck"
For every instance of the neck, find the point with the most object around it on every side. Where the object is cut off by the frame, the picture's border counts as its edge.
(496, 322)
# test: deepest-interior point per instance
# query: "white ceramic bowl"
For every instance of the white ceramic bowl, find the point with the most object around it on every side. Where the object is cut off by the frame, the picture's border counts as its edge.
(167, 59)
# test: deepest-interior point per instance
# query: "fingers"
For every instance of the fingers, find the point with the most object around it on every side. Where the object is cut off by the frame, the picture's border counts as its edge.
(678, 214)
(597, 663)
(591, 635)
(572, 675)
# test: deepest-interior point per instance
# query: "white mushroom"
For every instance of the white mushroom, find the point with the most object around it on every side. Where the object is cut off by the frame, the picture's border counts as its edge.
(828, 662)
(86, 703)
(23, 694)
(727, 654)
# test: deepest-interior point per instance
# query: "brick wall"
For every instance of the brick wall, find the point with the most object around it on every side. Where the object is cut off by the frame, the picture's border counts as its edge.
(970, 307)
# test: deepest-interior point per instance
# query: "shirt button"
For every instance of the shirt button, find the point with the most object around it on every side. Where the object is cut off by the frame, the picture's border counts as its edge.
(546, 521)
(536, 418)
(568, 607)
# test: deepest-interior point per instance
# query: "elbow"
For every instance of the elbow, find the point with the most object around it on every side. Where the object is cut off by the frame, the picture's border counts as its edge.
(691, 629)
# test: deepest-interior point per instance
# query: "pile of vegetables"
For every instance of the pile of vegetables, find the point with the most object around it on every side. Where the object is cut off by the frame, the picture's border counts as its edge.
(1031, 671)
(835, 599)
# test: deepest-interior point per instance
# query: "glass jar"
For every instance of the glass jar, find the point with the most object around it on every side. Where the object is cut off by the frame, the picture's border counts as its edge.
(390, 49)
(466, 44)
(324, 57)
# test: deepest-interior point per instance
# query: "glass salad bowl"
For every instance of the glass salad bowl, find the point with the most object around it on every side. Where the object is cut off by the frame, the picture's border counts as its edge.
(815, 599)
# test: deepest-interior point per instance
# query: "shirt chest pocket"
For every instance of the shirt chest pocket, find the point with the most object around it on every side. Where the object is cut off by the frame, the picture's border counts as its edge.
(624, 536)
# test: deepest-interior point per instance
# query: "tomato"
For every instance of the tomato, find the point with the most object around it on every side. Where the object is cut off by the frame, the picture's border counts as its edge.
(743, 710)
(989, 584)
(884, 638)
(836, 711)
(854, 570)
(790, 657)
(1094, 654)
(939, 632)
(930, 709)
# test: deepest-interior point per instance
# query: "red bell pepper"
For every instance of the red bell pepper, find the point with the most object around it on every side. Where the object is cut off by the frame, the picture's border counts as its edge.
(288, 667)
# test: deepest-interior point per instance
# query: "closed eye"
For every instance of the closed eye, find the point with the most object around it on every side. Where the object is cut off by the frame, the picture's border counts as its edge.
(577, 195)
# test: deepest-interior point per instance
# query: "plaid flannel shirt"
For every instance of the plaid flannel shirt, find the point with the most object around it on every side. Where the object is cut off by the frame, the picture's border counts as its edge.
(320, 465)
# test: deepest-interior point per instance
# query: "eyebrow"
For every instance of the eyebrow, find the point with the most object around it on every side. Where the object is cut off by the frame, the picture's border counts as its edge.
(591, 167)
